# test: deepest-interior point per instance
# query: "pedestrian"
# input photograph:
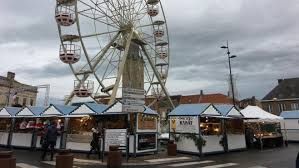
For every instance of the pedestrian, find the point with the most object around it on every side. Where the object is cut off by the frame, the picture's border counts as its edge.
(94, 144)
(50, 140)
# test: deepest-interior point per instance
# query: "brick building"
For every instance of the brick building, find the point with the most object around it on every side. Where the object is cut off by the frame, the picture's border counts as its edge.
(283, 97)
(20, 94)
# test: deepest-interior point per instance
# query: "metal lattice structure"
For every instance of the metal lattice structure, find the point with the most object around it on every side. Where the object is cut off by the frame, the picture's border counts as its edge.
(101, 39)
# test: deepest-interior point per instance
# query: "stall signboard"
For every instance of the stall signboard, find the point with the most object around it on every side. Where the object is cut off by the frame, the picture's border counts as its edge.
(147, 142)
(133, 100)
(147, 122)
(115, 137)
(184, 124)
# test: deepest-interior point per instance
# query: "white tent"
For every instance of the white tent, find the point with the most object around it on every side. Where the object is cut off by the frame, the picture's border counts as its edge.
(256, 114)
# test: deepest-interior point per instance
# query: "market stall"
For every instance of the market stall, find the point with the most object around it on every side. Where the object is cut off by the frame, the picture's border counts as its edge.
(81, 121)
(262, 128)
(290, 125)
(26, 124)
(139, 128)
(57, 114)
(196, 128)
(6, 122)
(234, 130)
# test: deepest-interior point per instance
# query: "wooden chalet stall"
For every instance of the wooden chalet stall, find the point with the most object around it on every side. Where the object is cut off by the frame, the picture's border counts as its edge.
(290, 125)
(197, 128)
(234, 130)
(7, 115)
(57, 114)
(139, 128)
(81, 121)
(27, 125)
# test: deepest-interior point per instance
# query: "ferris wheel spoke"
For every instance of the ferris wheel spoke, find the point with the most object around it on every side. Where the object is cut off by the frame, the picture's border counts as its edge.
(102, 53)
(157, 75)
(121, 68)
(100, 11)
(98, 34)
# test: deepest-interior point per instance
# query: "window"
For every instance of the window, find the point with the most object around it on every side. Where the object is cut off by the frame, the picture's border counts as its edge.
(210, 126)
(295, 106)
(282, 107)
(17, 100)
(269, 108)
(31, 102)
(24, 101)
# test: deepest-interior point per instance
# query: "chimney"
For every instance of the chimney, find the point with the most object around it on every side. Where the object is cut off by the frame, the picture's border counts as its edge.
(201, 92)
(279, 81)
(10, 75)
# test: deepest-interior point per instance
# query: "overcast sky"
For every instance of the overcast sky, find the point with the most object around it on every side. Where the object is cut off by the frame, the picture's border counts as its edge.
(264, 34)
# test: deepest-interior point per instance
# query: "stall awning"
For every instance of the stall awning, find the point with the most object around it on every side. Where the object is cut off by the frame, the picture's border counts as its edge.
(116, 108)
(58, 110)
(89, 109)
(195, 110)
(228, 110)
(256, 114)
(9, 111)
(33, 111)
(290, 114)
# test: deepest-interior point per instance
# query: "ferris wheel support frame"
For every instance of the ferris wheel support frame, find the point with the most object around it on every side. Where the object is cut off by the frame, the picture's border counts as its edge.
(121, 68)
(102, 54)
(157, 76)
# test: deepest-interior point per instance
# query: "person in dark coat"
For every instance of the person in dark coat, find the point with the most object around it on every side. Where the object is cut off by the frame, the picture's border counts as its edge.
(50, 140)
(94, 144)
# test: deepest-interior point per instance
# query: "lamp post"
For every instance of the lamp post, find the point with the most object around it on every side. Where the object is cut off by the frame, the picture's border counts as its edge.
(230, 69)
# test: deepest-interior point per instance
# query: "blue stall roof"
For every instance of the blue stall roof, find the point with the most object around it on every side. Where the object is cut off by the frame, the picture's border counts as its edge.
(189, 109)
(60, 110)
(36, 110)
(13, 110)
(149, 111)
(89, 109)
(224, 109)
(290, 114)
(98, 108)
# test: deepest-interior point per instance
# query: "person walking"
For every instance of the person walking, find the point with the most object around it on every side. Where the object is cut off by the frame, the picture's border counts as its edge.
(50, 140)
(94, 144)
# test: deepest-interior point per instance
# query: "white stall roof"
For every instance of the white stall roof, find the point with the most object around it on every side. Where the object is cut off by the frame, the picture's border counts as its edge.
(58, 110)
(255, 112)
(9, 111)
(195, 110)
(116, 108)
(89, 108)
(228, 110)
(33, 111)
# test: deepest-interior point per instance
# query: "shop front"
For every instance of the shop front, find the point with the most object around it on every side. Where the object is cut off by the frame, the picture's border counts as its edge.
(197, 129)
(262, 129)
(7, 119)
(80, 124)
(139, 128)
(56, 114)
(234, 130)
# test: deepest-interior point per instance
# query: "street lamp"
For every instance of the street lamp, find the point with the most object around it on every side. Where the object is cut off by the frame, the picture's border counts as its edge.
(230, 69)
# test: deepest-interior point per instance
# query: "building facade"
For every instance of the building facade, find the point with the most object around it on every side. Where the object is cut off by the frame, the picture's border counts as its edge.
(249, 101)
(14, 93)
(283, 97)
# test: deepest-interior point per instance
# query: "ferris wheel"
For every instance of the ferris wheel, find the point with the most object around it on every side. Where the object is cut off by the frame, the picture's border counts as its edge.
(112, 44)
